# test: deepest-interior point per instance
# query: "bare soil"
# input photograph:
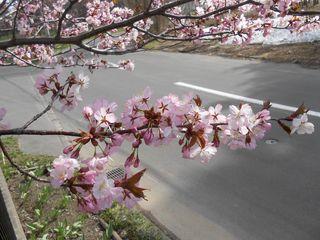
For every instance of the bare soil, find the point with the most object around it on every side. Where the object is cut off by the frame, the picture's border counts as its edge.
(305, 54)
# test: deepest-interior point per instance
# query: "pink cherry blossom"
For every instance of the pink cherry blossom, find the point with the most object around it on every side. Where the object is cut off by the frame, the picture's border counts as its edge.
(300, 125)
(63, 169)
(104, 117)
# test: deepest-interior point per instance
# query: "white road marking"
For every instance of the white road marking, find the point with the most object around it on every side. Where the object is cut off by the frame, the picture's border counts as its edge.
(241, 98)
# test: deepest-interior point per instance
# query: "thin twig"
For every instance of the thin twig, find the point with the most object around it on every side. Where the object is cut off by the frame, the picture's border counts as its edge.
(19, 131)
(15, 21)
(39, 115)
(63, 16)
(16, 166)
(86, 35)
(26, 62)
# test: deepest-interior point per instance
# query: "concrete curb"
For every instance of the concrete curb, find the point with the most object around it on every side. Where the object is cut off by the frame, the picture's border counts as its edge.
(10, 226)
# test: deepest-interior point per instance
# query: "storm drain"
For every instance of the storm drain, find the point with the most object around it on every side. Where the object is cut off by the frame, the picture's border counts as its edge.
(10, 227)
(116, 173)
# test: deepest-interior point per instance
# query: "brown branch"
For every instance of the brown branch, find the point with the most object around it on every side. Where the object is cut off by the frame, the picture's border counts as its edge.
(172, 38)
(19, 131)
(7, 7)
(63, 16)
(16, 166)
(224, 9)
(26, 62)
(108, 51)
(44, 111)
(79, 38)
(149, 5)
(15, 21)
(3, 3)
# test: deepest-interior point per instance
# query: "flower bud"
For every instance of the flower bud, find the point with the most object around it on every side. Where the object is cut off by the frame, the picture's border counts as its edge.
(136, 143)
(130, 160)
(76, 153)
(148, 137)
(68, 149)
(136, 162)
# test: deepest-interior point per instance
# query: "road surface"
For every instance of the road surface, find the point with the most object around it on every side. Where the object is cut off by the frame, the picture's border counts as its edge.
(268, 194)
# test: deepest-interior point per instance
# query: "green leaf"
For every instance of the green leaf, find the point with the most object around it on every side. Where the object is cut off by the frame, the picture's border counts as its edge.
(31, 227)
(38, 212)
(110, 229)
(77, 224)
(44, 237)
(107, 234)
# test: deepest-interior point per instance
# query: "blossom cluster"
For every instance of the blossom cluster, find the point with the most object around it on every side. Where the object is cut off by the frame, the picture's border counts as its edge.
(52, 34)
(89, 182)
(70, 19)
(68, 92)
(199, 131)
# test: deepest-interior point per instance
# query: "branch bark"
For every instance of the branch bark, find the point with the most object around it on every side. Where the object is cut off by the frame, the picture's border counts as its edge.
(16, 166)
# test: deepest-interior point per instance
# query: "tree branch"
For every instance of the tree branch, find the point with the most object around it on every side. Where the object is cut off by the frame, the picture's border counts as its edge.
(79, 38)
(16, 166)
(63, 16)
(15, 21)
(232, 7)
(21, 131)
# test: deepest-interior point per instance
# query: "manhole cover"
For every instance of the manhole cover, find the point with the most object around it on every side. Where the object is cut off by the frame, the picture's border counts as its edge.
(271, 141)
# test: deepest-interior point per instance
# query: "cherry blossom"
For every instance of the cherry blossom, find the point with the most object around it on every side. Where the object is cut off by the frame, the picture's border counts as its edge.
(301, 125)
(63, 169)
(55, 36)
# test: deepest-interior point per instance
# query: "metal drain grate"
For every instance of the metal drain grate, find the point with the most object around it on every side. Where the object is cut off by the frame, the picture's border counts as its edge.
(117, 173)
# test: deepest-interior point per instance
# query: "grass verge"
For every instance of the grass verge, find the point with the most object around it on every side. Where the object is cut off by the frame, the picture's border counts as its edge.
(48, 213)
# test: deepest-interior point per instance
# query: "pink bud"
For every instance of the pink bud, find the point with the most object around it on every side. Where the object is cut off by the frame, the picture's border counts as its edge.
(117, 139)
(76, 153)
(68, 149)
(134, 130)
(130, 160)
(136, 143)
(87, 112)
(148, 137)
(136, 162)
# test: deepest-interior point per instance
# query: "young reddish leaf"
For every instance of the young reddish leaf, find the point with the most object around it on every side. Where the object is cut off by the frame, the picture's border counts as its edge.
(193, 141)
(130, 184)
(284, 127)
(201, 141)
(266, 105)
(301, 110)
(197, 100)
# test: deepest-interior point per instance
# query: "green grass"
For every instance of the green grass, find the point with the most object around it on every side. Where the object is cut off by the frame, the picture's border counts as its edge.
(41, 203)
(48, 208)
(131, 224)
(37, 163)
(152, 45)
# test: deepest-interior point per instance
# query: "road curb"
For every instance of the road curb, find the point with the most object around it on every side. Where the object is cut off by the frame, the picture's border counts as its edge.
(10, 226)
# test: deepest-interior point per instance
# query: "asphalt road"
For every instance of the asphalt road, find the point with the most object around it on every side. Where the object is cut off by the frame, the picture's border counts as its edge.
(270, 193)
